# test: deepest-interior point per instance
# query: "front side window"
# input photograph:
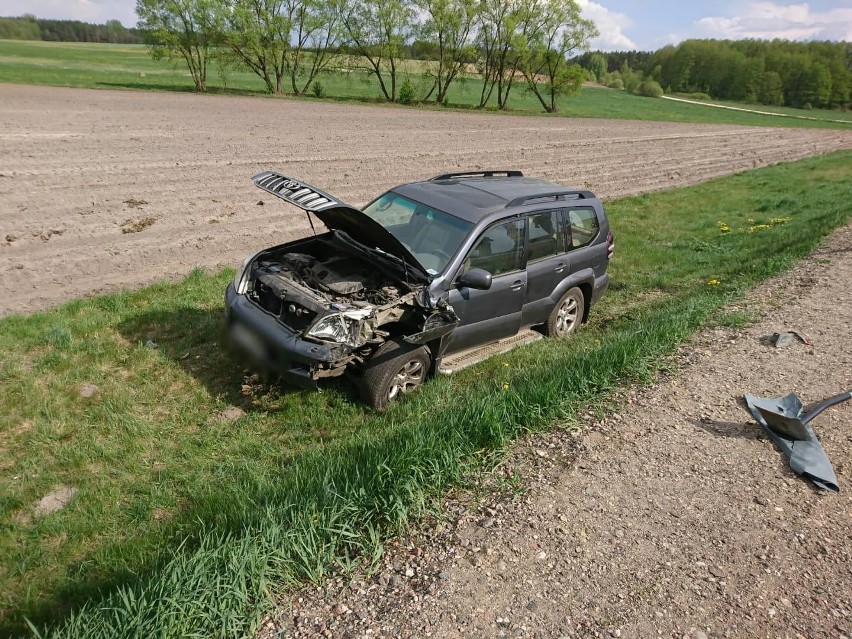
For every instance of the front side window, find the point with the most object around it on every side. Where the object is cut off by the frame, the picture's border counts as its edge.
(499, 250)
(583, 226)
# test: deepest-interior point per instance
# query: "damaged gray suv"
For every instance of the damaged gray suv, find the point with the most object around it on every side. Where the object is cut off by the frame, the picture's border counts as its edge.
(427, 272)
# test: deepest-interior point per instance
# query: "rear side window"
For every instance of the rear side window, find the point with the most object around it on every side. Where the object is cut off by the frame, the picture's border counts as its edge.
(499, 250)
(544, 236)
(582, 226)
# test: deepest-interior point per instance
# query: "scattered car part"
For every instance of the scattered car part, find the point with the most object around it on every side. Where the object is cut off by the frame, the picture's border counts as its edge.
(787, 424)
(782, 340)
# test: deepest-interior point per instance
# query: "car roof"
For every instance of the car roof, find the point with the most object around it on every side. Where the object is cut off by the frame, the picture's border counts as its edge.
(474, 197)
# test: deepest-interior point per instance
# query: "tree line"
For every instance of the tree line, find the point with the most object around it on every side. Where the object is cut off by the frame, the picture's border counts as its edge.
(289, 43)
(29, 27)
(539, 45)
(776, 72)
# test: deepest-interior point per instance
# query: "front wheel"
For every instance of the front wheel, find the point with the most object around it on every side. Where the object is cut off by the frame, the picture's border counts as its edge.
(395, 369)
(567, 315)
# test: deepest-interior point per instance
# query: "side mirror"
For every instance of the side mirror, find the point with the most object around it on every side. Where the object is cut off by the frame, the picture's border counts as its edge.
(475, 278)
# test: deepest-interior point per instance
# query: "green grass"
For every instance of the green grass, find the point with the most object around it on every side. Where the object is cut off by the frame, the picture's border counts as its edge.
(185, 525)
(131, 67)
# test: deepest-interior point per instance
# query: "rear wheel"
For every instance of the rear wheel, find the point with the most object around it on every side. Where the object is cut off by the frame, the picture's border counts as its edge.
(395, 369)
(567, 315)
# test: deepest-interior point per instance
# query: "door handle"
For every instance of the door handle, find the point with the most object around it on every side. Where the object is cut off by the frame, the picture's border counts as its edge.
(560, 267)
(517, 285)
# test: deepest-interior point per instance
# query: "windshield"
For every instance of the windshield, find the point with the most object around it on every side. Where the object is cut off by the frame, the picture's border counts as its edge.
(430, 235)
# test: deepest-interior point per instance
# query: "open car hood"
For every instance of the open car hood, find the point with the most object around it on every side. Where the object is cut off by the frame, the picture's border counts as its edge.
(336, 215)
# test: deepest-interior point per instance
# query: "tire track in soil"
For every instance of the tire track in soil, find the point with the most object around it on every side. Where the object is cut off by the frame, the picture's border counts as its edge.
(72, 159)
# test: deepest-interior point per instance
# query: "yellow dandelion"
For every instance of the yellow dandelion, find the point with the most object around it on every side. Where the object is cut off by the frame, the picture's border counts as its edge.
(713, 282)
(505, 385)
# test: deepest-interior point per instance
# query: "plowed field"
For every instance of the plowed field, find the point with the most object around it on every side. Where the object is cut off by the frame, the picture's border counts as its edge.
(103, 190)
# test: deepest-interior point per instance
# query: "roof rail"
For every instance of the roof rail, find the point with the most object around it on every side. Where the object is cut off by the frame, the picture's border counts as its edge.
(555, 195)
(449, 176)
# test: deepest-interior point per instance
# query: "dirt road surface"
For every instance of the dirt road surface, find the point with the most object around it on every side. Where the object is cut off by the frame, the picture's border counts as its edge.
(103, 190)
(674, 517)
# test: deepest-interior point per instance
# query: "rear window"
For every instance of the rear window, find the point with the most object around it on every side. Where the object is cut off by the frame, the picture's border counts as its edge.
(583, 226)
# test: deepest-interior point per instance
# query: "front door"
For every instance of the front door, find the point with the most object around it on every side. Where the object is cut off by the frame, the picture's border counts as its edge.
(486, 316)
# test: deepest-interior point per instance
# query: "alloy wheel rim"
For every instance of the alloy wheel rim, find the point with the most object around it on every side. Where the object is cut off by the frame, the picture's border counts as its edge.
(409, 376)
(566, 317)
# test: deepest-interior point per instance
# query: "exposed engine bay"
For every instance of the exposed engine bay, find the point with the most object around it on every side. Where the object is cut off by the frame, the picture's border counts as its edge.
(335, 278)
(338, 296)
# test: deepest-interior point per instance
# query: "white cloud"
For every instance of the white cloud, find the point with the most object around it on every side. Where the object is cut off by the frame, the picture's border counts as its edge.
(98, 11)
(610, 24)
(768, 20)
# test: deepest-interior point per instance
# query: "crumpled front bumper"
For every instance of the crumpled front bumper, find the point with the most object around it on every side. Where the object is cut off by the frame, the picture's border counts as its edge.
(271, 346)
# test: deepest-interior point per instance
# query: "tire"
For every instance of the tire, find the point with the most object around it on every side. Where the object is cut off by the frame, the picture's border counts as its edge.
(567, 315)
(395, 369)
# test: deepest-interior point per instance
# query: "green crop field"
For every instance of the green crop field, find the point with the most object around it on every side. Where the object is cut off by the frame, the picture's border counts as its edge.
(110, 66)
(185, 522)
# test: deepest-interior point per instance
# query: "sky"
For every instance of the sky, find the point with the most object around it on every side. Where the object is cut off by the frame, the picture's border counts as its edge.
(623, 24)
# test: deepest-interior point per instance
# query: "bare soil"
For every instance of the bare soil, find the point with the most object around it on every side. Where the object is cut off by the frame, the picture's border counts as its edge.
(104, 190)
(672, 516)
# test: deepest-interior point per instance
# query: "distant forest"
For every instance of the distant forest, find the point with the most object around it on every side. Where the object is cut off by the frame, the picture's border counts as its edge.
(31, 28)
(776, 72)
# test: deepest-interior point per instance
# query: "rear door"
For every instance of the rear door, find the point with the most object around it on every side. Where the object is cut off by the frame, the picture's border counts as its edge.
(489, 315)
(547, 263)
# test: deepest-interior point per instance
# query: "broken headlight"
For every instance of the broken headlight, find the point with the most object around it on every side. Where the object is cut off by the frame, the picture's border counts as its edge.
(343, 328)
(242, 275)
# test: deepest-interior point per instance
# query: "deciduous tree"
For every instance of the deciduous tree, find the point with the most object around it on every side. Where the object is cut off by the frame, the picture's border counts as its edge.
(449, 25)
(598, 66)
(316, 31)
(498, 37)
(378, 31)
(555, 30)
(180, 29)
(257, 33)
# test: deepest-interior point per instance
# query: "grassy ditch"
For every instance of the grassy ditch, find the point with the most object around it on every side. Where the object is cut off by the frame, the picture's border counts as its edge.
(184, 522)
(116, 66)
